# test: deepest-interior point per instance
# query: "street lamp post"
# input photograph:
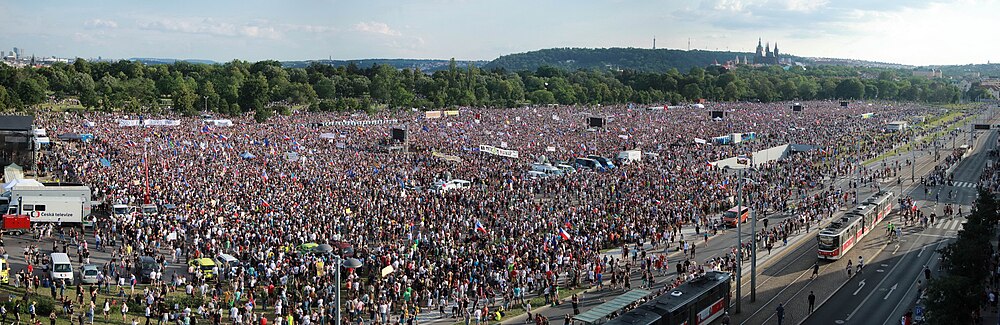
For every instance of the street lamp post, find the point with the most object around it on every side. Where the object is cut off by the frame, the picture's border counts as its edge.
(739, 244)
(206, 104)
(350, 263)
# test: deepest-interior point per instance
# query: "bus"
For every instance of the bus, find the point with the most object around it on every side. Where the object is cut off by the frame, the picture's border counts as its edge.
(729, 217)
(696, 302)
(841, 235)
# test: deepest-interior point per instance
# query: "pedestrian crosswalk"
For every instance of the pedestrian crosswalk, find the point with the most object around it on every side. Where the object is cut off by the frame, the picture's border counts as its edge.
(946, 224)
(964, 184)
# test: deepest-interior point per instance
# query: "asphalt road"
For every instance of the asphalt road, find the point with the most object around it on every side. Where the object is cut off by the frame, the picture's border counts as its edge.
(887, 287)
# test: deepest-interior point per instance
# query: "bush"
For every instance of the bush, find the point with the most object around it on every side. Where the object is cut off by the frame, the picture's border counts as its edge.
(185, 301)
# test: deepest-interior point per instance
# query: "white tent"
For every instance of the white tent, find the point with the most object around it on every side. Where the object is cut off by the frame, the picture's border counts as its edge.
(21, 183)
(12, 172)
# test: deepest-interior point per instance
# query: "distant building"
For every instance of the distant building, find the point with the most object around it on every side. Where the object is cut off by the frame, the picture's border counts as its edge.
(765, 56)
(932, 73)
(991, 85)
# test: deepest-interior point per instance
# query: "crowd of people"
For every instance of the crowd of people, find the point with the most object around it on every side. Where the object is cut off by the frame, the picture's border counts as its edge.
(259, 191)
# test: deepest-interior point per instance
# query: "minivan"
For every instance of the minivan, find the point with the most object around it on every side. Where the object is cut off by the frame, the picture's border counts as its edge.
(604, 161)
(62, 268)
(227, 262)
(589, 163)
(546, 169)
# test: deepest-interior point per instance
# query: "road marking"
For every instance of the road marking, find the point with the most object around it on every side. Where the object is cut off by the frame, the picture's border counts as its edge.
(855, 311)
(895, 250)
(931, 263)
(890, 291)
(860, 285)
(921, 251)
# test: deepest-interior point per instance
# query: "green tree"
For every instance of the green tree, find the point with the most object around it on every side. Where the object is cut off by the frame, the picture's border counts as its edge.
(542, 97)
(254, 95)
(692, 91)
(325, 88)
(31, 91)
(184, 98)
(850, 88)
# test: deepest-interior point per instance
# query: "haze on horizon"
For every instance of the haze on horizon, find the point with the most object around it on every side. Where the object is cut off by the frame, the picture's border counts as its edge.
(916, 32)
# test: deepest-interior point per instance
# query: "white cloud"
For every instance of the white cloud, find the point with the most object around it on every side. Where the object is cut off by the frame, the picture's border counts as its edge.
(100, 23)
(212, 27)
(375, 28)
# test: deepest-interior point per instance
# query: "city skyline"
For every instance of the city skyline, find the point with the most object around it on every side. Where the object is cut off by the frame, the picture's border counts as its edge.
(925, 32)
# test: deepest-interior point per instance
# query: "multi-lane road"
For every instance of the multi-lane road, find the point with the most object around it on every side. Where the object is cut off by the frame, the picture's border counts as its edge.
(886, 289)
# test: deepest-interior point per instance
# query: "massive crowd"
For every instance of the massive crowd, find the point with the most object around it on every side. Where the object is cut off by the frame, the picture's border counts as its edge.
(236, 190)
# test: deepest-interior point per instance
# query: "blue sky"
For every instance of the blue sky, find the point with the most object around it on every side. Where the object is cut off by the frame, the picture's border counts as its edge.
(915, 32)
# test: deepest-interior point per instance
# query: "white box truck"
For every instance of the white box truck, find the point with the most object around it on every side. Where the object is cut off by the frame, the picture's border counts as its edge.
(67, 210)
(82, 192)
(630, 156)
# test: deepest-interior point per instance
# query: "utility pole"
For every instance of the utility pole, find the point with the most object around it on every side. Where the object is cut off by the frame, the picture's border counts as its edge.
(739, 243)
(753, 254)
(753, 243)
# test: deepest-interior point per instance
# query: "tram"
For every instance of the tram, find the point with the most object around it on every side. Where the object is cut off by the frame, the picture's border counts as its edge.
(696, 302)
(841, 235)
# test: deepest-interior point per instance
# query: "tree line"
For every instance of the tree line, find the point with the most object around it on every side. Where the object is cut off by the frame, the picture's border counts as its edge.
(955, 296)
(239, 87)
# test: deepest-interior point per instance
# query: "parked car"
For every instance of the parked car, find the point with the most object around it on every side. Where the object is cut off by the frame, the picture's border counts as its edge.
(88, 274)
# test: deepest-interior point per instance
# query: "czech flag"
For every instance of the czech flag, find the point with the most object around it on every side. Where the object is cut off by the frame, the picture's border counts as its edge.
(479, 227)
(564, 234)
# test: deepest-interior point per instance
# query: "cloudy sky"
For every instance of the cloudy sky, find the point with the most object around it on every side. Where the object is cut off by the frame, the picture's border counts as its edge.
(917, 32)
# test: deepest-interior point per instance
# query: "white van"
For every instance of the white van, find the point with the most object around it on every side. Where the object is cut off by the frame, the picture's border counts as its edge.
(442, 186)
(61, 268)
(547, 169)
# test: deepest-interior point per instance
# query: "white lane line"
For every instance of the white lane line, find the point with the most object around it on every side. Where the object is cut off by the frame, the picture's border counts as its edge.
(879, 285)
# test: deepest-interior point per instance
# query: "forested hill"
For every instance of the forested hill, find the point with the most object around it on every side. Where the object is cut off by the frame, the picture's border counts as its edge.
(425, 65)
(646, 60)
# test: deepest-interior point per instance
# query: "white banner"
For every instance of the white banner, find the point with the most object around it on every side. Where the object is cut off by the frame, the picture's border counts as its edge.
(129, 123)
(700, 141)
(219, 122)
(126, 123)
(498, 152)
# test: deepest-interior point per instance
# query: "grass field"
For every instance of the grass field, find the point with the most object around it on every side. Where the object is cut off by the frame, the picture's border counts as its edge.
(950, 119)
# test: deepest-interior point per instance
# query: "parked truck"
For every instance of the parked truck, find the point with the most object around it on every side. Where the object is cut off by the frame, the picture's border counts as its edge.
(69, 210)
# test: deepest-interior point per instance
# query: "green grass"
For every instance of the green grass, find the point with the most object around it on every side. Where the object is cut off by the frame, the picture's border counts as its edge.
(951, 119)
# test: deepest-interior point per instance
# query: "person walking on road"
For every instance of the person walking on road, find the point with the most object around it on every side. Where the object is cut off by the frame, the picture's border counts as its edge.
(850, 267)
(725, 318)
(812, 302)
(780, 313)
(815, 271)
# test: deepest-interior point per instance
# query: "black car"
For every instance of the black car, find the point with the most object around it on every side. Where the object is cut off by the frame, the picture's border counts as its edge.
(145, 268)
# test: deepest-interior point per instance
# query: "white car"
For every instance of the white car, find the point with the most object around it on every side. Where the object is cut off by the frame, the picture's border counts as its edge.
(443, 186)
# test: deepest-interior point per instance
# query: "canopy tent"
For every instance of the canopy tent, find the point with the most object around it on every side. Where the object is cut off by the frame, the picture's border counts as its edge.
(22, 182)
(12, 172)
